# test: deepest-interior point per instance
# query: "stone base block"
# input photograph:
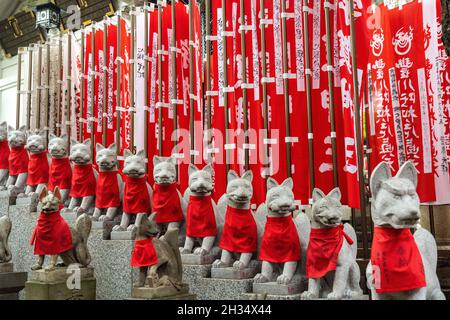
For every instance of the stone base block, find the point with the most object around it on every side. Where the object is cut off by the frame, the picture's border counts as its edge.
(123, 235)
(6, 201)
(273, 288)
(31, 201)
(159, 292)
(221, 289)
(194, 272)
(186, 296)
(105, 226)
(231, 273)
(59, 274)
(6, 267)
(11, 283)
(197, 259)
(254, 296)
(35, 290)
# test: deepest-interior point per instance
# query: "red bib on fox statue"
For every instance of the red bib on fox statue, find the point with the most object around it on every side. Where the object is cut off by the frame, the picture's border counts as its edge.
(108, 194)
(144, 253)
(166, 203)
(396, 261)
(280, 241)
(83, 181)
(323, 250)
(38, 169)
(51, 235)
(200, 217)
(60, 174)
(18, 161)
(135, 196)
(239, 231)
(4, 155)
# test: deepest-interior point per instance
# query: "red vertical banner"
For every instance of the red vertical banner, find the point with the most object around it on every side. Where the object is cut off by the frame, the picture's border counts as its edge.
(87, 78)
(111, 82)
(98, 86)
(125, 87)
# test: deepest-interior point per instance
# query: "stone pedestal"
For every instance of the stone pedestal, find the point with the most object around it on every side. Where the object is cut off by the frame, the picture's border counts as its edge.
(11, 283)
(231, 273)
(273, 288)
(69, 215)
(168, 292)
(106, 228)
(5, 202)
(123, 235)
(196, 259)
(31, 202)
(56, 285)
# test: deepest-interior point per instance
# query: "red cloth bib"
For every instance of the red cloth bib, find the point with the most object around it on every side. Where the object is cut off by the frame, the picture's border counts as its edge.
(239, 231)
(60, 174)
(280, 242)
(323, 250)
(51, 235)
(135, 196)
(18, 161)
(201, 221)
(108, 194)
(166, 203)
(38, 170)
(4, 155)
(83, 181)
(144, 253)
(396, 256)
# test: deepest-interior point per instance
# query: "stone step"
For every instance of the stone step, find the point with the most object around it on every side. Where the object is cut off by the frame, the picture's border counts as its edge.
(252, 296)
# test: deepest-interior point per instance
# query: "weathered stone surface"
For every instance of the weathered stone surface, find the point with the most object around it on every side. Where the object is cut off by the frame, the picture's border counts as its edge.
(159, 292)
(123, 235)
(221, 289)
(11, 283)
(69, 216)
(186, 296)
(5, 202)
(58, 275)
(6, 267)
(31, 202)
(193, 272)
(231, 273)
(35, 290)
(197, 259)
(273, 288)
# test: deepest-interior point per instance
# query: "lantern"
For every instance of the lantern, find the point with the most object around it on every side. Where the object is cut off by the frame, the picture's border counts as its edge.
(48, 15)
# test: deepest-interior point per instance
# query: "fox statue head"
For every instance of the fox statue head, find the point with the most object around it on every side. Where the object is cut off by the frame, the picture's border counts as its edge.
(50, 201)
(280, 197)
(239, 189)
(164, 170)
(395, 202)
(326, 209)
(106, 158)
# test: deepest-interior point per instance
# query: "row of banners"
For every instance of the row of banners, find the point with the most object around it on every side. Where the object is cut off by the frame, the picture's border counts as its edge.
(403, 75)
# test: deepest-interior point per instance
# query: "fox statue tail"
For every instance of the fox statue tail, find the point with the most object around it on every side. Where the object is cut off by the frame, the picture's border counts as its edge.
(83, 226)
(5, 230)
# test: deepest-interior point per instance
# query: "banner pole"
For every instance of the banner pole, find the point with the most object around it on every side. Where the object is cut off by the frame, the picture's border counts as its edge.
(174, 71)
(331, 94)
(19, 81)
(286, 90)
(208, 75)
(119, 82)
(30, 78)
(83, 76)
(69, 86)
(132, 75)
(92, 121)
(105, 80)
(47, 93)
(39, 88)
(359, 152)
(312, 182)
(191, 79)
(58, 86)
(160, 83)
(225, 84)
(146, 84)
(244, 82)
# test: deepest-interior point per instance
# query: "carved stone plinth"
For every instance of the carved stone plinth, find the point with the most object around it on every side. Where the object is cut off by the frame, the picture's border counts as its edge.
(31, 202)
(197, 259)
(123, 235)
(273, 288)
(164, 292)
(69, 215)
(5, 202)
(11, 283)
(56, 284)
(231, 273)
(106, 227)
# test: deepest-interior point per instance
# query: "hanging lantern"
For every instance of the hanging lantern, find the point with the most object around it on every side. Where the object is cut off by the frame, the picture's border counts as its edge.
(48, 15)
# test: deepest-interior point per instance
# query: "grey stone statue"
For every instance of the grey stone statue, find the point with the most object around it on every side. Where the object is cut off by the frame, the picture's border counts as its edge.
(106, 159)
(58, 150)
(280, 202)
(16, 182)
(5, 230)
(36, 145)
(79, 254)
(344, 281)
(4, 157)
(395, 206)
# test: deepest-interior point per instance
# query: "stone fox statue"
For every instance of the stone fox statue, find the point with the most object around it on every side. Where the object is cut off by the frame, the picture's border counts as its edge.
(331, 265)
(18, 161)
(4, 155)
(158, 259)
(5, 230)
(402, 265)
(38, 165)
(239, 238)
(60, 168)
(282, 239)
(52, 235)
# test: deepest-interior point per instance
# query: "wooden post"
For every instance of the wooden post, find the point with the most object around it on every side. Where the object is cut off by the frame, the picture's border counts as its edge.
(58, 85)
(69, 86)
(244, 83)
(359, 150)
(191, 79)
(119, 82)
(105, 80)
(225, 83)
(131, 75)
(19, 82)
(174, 99)
(29, 85)
(39, 88)
(312, 182)
(47, 93)
(146, 84)
(331, 94)
(83, 77)
(91, 121)
(160, 97)
(208, 76)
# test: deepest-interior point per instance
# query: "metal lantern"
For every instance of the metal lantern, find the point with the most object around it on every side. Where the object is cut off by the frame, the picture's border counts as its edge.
(48, 15)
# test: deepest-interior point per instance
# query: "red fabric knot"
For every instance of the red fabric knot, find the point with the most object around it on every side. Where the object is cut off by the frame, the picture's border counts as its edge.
(18, 161)
(108, 194)
(396, 261)
(4, 155)
(38, 169)
(60, 174)
(83, 181)
(239, 233)
(200, 217)
(323, 250)
(280, 242)
(135, 196)
(166, 203)
(144, 253)
(51, 235)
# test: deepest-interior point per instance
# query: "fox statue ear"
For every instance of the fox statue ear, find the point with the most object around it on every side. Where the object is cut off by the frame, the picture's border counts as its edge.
(192, 169)
(64, 137)
(408, 171)
(288, 183)
(23, 129)
(113, 147)
(317, 194)
(43, 194)
(271, 183)
(51, 136)
(10, 129)
(232, 175)
(4, 125)
(335, 194)
(57, 193)
(248, 175)
(99, 147)
(73, 142)
(87, 142)
(156, 160)
(381, 173)
(172, 160)
(141, 153)
(208, 168)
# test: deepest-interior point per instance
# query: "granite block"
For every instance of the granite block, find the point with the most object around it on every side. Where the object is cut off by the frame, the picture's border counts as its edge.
(5, 202)
(231, 273)
(123, 235)
(221, 289)
(6, 267)
(159, 292)
(59, 274)
(196, 259)
(35, 290)
(273, 288)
